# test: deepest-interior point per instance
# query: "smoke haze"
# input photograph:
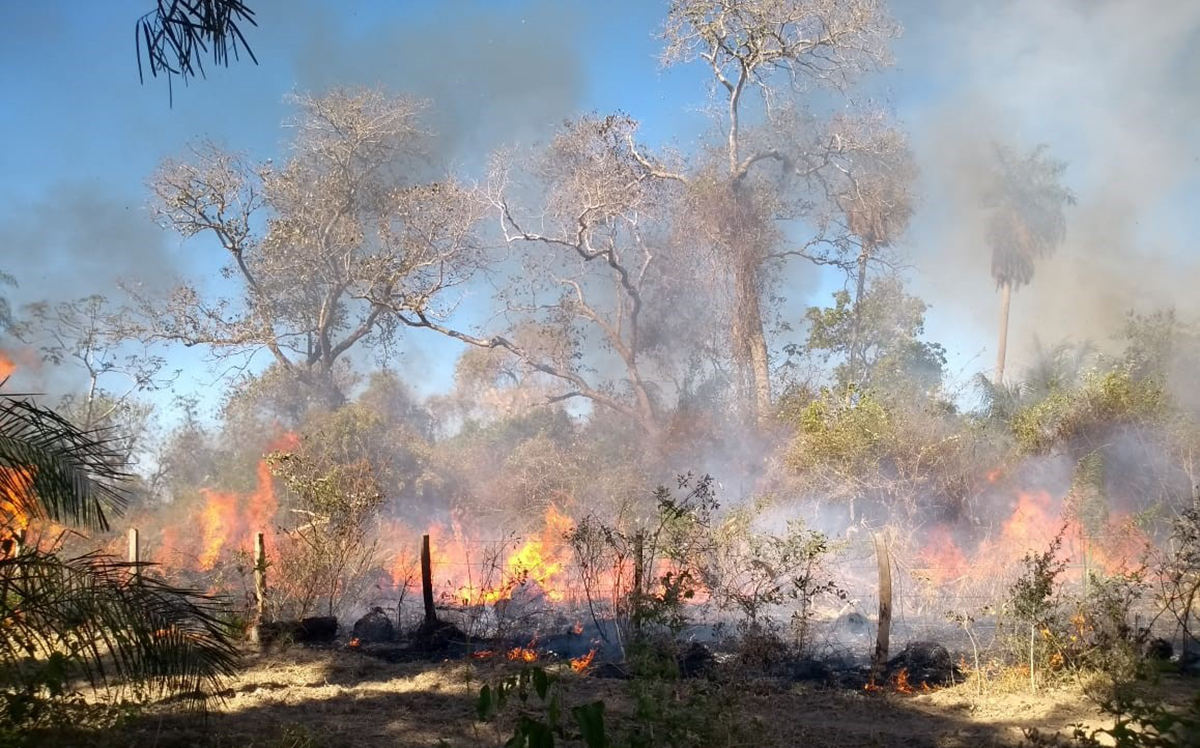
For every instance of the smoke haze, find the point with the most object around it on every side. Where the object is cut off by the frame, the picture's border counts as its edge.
(1114, 89)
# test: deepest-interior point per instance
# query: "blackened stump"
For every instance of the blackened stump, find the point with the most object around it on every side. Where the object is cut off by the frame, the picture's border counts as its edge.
(926, 662)
(375, 627)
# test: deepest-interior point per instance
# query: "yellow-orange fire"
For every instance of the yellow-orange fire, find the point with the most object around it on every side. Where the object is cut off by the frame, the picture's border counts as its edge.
(523, 654)
(899, 683)
(14, 506)
(581, 664)
(226, 521)
(1035, 519)
(460, 566)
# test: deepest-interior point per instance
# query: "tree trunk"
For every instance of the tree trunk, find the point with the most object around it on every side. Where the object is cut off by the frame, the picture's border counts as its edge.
(1005, 301)
(431, 618)
(750, 343)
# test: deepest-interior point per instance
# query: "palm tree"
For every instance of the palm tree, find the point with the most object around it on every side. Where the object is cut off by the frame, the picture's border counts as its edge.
(91, 616)
(877, 202)
(1026, 224)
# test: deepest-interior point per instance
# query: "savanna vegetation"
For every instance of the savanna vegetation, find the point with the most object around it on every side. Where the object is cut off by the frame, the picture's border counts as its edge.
(640, 434)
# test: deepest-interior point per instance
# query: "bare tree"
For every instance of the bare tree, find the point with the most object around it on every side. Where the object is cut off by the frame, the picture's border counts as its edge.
(1026, 224)
(80, 334)
(771, 47)
(588, 222)
(325, 250)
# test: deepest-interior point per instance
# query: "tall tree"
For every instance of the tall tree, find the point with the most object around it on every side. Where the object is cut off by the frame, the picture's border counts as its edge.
(876, 341)
(351, 239)
(6, 315)
(876, 198)
(1027, 223)
(773, 48)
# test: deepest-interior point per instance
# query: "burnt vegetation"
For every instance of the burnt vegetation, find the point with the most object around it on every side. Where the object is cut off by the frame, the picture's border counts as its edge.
(655, 494)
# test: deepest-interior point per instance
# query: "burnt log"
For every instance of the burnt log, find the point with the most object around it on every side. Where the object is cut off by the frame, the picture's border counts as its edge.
(925, 662)
(697, 661)
(375, 627)
(437, 635)
(317, 630)
(1158, 649)
(809, 670)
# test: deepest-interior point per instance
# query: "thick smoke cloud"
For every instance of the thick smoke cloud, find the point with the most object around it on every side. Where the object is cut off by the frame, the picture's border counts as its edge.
(1114, 89)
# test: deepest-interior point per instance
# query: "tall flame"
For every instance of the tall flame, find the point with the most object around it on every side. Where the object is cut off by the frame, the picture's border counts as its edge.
(227, 520)
(462, 567)
(1035, 520)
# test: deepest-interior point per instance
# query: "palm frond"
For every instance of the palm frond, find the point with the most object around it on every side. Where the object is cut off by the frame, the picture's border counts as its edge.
(92, 618)
(178, 33)
(51, 469)
(1058, 367)
(1000, 401)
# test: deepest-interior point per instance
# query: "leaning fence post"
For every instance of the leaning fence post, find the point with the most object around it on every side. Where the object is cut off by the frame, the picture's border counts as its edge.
(135, 552)
(879, 662)
(260, 575)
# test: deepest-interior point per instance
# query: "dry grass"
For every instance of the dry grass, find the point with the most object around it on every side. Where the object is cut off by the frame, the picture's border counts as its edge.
(304, 698)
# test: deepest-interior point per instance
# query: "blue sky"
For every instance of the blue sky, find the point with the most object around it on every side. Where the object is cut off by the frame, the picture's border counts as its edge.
(1110, 90)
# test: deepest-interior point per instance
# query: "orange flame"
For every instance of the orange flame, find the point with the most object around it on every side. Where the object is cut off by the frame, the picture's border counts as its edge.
(14, 500)
(523, 654)
(354, 643)
(7, 367)
(944, 560)
(898, 684)
(462, 570)
(581, 664)
(227, 519)
(1036, 519)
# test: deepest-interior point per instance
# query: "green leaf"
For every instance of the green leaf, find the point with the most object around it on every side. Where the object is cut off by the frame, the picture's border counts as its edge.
(590, 718)
(541, 682)
(484, 704)
(554, 710)
(537, 734)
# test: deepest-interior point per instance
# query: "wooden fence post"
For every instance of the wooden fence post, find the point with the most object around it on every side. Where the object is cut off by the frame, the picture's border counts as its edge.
(882, 640)
(427, 581)
(260, 575)
(135, 552)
